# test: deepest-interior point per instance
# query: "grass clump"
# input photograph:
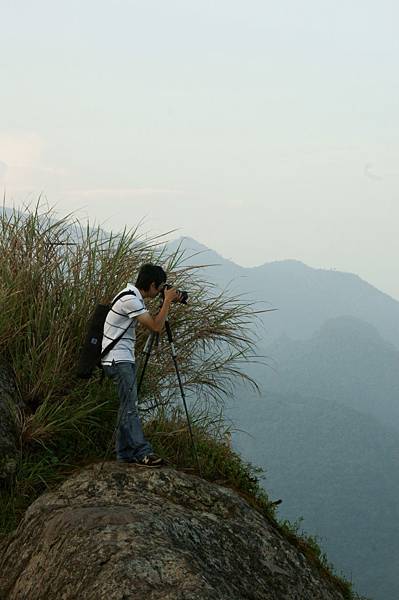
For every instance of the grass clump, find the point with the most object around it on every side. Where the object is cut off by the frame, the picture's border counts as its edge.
(52, 274)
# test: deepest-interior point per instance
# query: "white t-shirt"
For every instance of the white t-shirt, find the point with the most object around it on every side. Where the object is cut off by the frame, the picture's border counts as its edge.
(124, 311)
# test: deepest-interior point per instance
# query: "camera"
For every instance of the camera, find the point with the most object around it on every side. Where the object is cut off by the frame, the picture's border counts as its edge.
(184, 295)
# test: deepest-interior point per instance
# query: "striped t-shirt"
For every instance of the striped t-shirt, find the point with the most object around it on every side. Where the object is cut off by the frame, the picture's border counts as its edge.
(123, 311)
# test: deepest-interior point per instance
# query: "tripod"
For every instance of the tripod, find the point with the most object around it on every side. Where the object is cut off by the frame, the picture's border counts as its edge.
(147, 351)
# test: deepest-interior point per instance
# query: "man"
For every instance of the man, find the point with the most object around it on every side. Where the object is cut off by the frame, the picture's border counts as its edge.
(119, 363)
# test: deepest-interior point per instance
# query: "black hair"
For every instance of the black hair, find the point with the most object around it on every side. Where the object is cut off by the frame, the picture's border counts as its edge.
(149, 274)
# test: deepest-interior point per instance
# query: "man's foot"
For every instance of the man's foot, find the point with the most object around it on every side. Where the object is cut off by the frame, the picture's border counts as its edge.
(151, 460)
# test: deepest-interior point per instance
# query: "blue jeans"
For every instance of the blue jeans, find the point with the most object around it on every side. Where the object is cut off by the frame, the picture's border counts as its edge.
(130, 441)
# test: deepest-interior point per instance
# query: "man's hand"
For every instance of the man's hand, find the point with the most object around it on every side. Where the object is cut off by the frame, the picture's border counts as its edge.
(172, 295)
(156, 323)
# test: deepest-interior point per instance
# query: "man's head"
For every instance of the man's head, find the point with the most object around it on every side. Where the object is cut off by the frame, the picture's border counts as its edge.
(150, 280)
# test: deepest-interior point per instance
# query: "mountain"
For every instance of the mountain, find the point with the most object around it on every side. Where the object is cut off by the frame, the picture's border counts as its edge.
(305, 297)
(326, 427)
(326, 430)
(336, 468)
(345, 361)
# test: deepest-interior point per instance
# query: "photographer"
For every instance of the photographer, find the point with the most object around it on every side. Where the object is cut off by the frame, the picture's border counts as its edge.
(119, 363)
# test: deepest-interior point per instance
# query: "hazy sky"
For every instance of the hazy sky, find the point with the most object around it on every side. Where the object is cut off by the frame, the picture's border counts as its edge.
(265, 130)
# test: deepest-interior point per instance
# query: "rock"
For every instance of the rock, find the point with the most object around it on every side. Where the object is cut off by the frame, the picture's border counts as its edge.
(129, 533)
(9, 436)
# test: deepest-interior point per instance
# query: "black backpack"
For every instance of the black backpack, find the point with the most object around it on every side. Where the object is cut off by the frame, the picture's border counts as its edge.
(90, 353)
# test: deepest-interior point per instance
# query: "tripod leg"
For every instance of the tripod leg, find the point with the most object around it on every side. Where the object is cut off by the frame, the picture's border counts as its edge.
(146, 351)
(174, 356)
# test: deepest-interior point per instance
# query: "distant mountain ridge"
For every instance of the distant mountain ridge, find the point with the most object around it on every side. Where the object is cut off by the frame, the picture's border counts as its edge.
(336, 468)
(326, 427)
(346, 361)
(305, 297)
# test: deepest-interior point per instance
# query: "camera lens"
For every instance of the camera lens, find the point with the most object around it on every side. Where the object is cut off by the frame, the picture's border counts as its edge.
(184, 297)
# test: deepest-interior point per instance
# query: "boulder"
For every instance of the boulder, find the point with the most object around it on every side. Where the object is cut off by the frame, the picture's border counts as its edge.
(9, 435)
(124, 532)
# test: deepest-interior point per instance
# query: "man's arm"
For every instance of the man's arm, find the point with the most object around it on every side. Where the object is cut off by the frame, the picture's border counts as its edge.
(156, 323)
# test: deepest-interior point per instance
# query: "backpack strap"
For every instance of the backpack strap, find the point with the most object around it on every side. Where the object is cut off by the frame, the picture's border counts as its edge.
(116, 340)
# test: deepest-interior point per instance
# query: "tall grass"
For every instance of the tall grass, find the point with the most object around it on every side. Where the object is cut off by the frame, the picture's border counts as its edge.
(53, 272)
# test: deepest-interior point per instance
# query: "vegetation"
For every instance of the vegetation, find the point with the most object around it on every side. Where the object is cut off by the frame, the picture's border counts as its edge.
(53, 272)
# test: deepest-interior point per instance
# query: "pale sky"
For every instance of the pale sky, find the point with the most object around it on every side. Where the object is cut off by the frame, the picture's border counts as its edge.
(264, 130)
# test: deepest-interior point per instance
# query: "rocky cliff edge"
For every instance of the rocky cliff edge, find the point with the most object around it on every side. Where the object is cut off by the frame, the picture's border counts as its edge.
(123, 532)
